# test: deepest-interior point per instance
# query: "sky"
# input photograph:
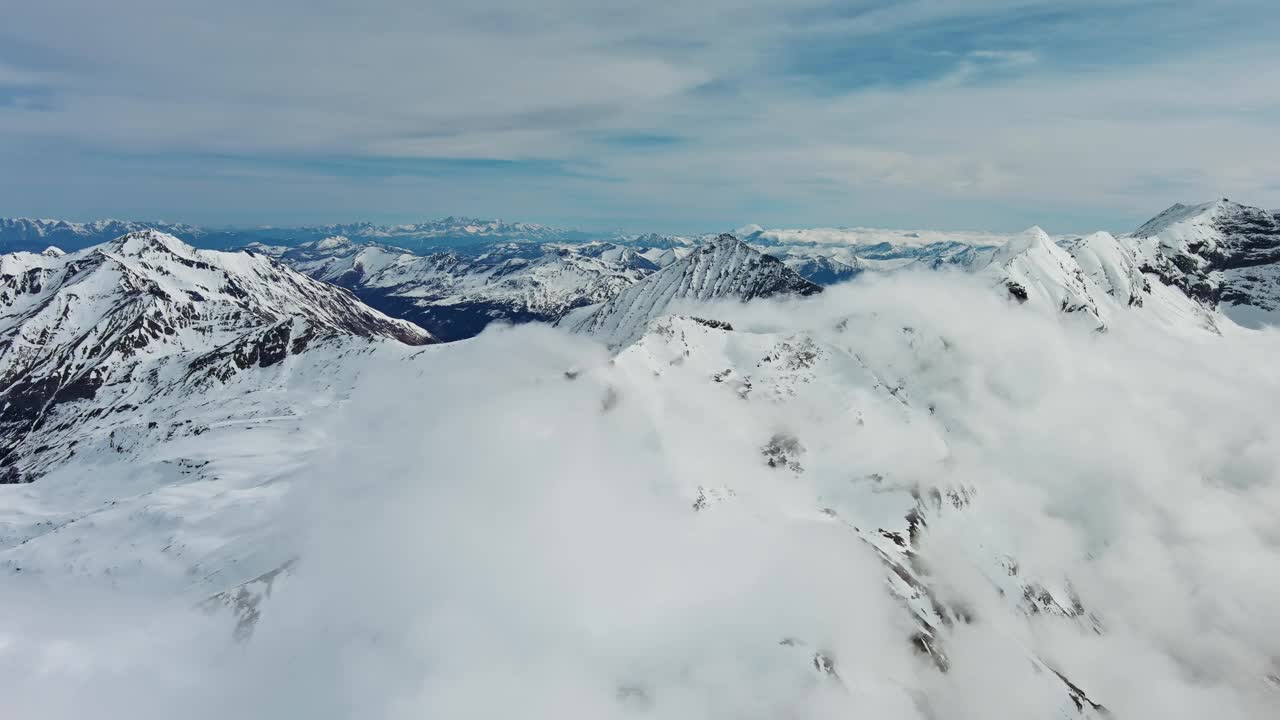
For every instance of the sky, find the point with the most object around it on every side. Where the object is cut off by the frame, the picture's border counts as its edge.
(674, 117)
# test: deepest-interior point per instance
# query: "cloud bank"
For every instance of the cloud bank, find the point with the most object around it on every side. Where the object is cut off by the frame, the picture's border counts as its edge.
(519, 525)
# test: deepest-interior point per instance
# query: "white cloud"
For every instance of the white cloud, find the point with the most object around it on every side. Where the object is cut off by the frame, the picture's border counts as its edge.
(482, 538)
(1009, 126)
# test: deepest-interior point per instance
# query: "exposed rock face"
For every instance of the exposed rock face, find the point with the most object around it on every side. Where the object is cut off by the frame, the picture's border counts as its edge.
(1220, 253)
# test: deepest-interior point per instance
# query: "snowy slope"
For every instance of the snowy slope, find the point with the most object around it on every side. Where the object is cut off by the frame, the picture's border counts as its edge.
(823, 270)
(1097, 277)
(903, 497)
(169, 478)
(88, 334)
(847, 390)
(622, 256)
(724, 268)
(1211, 256)
(1033, 268)
(455, 296)
(454, 232)
(1221, 253)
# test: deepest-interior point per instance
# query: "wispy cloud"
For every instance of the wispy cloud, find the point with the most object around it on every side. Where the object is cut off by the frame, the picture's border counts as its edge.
(985, 105)
(1006, 57)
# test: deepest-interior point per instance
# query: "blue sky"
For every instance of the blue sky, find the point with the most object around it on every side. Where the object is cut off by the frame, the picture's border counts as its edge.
(985, 114)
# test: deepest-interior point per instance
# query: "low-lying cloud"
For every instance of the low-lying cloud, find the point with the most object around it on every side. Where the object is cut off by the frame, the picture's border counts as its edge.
(519, 526)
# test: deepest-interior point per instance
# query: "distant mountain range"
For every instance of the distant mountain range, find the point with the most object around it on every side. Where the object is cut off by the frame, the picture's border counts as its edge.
(455, 276)
(452, 232)
(455, 295)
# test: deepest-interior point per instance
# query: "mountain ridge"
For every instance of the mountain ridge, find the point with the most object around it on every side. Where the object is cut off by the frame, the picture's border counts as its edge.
(146, 309)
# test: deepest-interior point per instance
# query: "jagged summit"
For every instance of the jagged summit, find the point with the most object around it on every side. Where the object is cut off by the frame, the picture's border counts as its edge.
(147, 308)
(722, 268)
(896, 488)
(141, 242)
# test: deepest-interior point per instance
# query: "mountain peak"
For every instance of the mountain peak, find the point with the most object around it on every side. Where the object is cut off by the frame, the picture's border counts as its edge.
(723, 243)
(333, 242)
(1195, 214)
(140, 242)
(1221, 253)
(1028, 240)
(724, 268)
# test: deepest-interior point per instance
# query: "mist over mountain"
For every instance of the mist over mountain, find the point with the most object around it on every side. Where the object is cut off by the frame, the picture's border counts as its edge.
(810, 473)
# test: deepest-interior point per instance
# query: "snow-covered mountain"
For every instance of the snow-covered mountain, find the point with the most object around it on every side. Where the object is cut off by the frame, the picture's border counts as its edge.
(1097, 276)
(661, 242)
(455, 296)
(1221, 253)
(1201, 258)
(89, 339)
(720, 490)
(823, 270)
(896, 494)
(723, 269)
(33, 235)
(663, 257)
(456, 232)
